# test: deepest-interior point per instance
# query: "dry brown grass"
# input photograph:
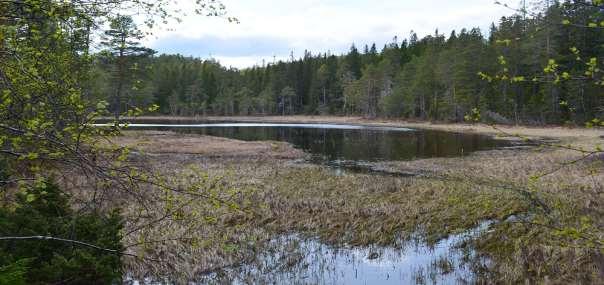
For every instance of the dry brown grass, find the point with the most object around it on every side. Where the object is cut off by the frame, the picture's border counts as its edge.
(165, 142)
(361, 209)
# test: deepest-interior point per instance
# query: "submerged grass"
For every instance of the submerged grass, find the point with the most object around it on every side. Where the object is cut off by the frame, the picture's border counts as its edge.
(545, 229)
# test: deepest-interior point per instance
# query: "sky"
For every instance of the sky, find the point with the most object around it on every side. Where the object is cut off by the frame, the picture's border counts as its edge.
(271, 30)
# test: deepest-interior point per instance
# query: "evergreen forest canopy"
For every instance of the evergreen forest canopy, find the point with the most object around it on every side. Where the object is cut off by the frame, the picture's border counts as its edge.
(535, 67)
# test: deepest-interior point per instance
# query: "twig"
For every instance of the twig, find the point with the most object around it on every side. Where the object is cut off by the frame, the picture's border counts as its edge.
(81, 243)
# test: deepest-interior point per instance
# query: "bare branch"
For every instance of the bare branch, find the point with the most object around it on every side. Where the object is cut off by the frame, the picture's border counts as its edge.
(76, 242)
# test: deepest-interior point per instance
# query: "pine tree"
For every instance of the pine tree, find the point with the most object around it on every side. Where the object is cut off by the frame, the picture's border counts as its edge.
(353, 60)
(122, 42)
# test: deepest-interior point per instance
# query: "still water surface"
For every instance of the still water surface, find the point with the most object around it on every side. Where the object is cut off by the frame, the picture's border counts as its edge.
(296, 260)
(329, 142)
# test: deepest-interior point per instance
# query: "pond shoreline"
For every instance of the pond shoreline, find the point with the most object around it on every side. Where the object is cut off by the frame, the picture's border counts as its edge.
(507, 132)
(166, 143)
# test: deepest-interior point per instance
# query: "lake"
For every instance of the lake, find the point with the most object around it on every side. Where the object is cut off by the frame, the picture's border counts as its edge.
(333, 143)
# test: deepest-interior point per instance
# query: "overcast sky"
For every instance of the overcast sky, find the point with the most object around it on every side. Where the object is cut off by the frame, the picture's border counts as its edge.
(274, 28)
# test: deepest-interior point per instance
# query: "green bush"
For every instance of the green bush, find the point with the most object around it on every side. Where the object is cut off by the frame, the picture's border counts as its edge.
(45, 211)
(14, 273)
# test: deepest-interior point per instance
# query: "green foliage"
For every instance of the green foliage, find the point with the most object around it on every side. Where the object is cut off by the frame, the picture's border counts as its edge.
(44, 210)
(122, 57)
(14, 273)
(287, 95)
(51, 91)
(473, 116)
(561, 60)
(49, 82)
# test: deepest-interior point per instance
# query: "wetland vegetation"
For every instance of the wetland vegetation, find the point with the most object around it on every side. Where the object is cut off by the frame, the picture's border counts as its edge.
(473, 158)
(362, 218)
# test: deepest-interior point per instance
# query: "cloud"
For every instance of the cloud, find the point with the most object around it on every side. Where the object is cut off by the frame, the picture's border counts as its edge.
(276, 27)
(231, 47)
(246, 61)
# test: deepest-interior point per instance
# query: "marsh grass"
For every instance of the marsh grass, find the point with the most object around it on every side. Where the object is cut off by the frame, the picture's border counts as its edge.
(526, 242)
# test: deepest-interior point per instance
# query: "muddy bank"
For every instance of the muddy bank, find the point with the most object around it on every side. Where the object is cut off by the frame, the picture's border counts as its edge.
(166, 142)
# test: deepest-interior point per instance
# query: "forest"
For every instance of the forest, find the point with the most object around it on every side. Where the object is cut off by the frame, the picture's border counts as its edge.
(438, 77)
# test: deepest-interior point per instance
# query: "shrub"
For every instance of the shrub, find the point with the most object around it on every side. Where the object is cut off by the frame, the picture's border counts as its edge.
(44, 211)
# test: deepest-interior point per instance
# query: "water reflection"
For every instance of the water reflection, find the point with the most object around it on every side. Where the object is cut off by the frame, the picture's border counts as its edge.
(327, 142)
(294, 260)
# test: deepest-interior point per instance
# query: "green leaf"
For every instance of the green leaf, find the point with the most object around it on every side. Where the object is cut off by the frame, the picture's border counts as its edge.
(30, 197)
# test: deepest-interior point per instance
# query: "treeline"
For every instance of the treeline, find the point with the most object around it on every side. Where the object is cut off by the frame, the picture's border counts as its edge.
(532, 69)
